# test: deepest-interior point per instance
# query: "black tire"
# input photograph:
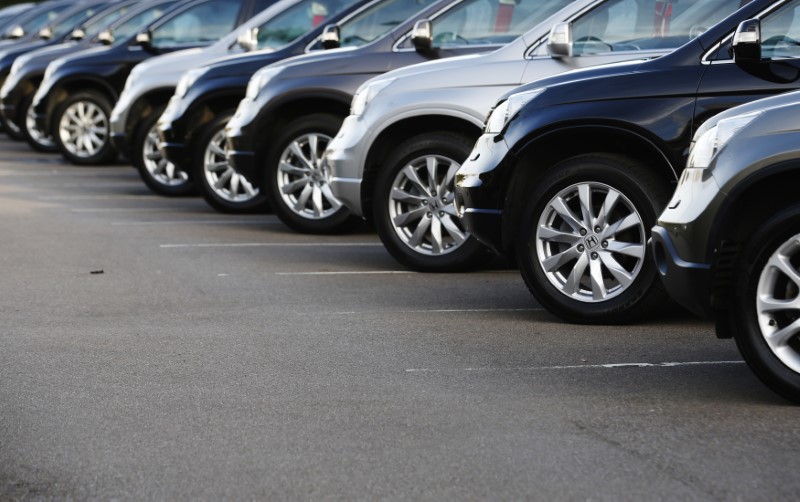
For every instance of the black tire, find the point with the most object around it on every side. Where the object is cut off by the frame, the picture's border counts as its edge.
(28, 135)
(645, 195)
(749, 327)
(104, 152)
(223, 200)
(338, 219)
(11, 130)
(449, 150)
(160, 177)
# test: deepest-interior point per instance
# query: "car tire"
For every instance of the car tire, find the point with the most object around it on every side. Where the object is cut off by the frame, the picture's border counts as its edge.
(11, 129)
(592, 266)
(218, 183)
(413, 205)
(72, 118)
(160, 176)
(297, 183)
(35, 138)
(766, 297)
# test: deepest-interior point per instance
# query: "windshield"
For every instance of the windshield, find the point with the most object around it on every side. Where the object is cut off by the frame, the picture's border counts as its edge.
(98, 23)
(129, 27)
(64, 26)
(42, 19)
(297, 20)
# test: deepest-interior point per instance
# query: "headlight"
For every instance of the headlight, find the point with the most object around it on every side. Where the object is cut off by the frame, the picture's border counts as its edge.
(715, 138)
(502, 113)
(259, 81)
(187, 80)
(366, 93)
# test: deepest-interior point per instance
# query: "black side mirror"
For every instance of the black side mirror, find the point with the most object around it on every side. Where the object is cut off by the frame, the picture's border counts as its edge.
(422, 36)
(747, 42)
(331, 38)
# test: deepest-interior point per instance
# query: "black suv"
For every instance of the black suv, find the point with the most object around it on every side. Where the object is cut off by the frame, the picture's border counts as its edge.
(61, 31)
(573, 170)
(74, 101)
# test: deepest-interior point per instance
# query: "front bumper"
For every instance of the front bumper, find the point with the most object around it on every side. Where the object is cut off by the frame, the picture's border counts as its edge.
(687, 283)
(480, 192)
(344, 160)
(242, 141)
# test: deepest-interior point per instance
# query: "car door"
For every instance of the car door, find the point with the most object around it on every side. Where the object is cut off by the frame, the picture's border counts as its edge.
(726, 83)
(622, 30)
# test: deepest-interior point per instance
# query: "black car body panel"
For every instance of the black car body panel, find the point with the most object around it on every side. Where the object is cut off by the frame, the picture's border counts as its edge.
(327, 82)
(106, 68)
(651, 108)
(223, 86)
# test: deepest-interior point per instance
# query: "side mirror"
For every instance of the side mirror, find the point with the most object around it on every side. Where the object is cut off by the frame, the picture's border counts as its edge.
(248, 39)
(747, 42)
(78, 34)
(145, 39)
(46, 33)
(105, 37)
(559, 42)
(422, 35)
(15, 32)
(331, 37)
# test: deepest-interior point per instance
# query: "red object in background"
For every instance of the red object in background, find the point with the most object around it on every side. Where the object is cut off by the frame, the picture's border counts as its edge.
(662, 19)
(502, 22)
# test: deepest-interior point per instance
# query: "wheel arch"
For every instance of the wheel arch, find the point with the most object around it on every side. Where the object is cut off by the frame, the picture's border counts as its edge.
(144, 106)
(69, 87)
(399, 132)
(542, 152)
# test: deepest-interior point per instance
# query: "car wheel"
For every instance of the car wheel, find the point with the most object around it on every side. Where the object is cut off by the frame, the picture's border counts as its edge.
(582, 246)
(10, 128)
(414, 209)
(37, 139)
(82, 129)
(160, 176)
(220, 185)
(766, 311)
(297, 181)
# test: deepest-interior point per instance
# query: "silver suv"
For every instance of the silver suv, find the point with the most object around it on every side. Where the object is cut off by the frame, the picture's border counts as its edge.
(395, 157)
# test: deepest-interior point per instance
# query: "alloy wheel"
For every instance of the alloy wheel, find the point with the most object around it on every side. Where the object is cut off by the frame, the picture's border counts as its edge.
(226, 183)
(303, 179)
(778, 303)
(160, 170)
(83, 129)
(422, 209)
(35, 134)
(590, 242)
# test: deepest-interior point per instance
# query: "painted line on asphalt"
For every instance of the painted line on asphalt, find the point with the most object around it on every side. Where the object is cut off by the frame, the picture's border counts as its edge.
(433, 311)
(122, 209)
(351, 272)
(612, 366)
(192, 222)
(98, 197)
(272, 244)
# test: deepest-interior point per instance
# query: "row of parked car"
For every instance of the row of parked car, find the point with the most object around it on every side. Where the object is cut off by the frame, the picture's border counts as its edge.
(553, 132)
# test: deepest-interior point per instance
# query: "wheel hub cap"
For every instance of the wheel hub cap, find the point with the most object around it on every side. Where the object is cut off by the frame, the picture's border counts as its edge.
(161, 171)
(221, 177)
(35, 134)
(83, 129)
(590, 242)
(422, 206)
(778, 303)
(303, 178)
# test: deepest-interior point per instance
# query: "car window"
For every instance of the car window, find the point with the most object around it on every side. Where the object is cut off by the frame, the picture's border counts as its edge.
(129, 27)
(378, 20)
(262, 4)
(780, 32)
(97, 24)
(65, 26)
(625, 25)
(43, 19)
(200, 24)
(481, 22)
(296, 21)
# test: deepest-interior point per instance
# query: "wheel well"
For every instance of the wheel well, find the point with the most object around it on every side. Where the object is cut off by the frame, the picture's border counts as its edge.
(545, 151)
(736, 222)
(292, 110)
(209, 111)
(144, 107)
(398, 133)
(66, 89)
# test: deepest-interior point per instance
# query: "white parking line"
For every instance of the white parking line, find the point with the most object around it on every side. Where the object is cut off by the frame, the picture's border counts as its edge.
(433, 311)
(271, 244)
(350, 272)
(98, 197)
(122, 209)
(193, 222)
(612, 366)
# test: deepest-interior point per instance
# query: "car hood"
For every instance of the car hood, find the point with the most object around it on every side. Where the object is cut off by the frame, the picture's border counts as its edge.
(766, 104)
(240, 64)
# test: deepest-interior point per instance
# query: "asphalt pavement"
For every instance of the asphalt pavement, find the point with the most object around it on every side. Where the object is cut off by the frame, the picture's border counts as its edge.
(151, 348)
